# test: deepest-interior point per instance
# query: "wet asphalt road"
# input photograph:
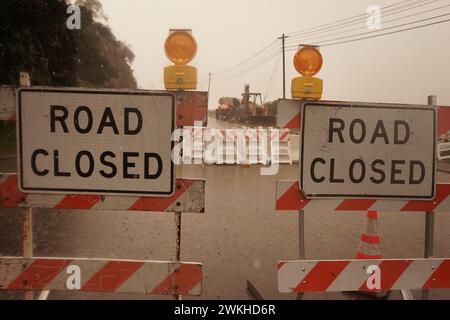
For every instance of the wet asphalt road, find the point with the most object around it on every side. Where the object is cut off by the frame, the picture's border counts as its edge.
(239, 237)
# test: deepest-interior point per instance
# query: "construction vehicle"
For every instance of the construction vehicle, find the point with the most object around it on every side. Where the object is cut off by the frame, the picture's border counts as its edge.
(226, 110)
(443, 147)
(250, 110)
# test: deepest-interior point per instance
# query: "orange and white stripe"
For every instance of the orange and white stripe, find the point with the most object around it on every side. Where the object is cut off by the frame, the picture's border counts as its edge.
(291, 198)
(189, 196)
(369, 245)
(191, 106)
(101, 275)
(282, 135)
(352, 275)
(289, 115)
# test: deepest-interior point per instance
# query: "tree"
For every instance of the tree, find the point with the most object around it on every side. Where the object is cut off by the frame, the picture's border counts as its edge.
(34, 37)
(101, 58)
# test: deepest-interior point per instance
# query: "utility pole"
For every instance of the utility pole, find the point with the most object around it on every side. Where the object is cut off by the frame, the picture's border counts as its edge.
(283, 38)
(209, 82)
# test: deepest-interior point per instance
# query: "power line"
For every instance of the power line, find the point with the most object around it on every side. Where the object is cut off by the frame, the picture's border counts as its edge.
(203, 81)
(384, 12)
(388, 33)
(383, 34)
(250, 68)
(245, 66)
(269, 84)
(334, 42)
(390, 28)
(266, 48)
(293, 34)
(264, 55)
(336, 23)
(365, 27)
(253, 67)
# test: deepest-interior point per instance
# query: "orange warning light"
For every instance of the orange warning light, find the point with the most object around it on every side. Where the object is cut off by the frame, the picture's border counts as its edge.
(180, 46)
(308, 61)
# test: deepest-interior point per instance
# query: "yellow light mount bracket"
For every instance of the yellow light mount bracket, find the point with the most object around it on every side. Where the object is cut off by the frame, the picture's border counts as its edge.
(307, 61)
(180, 77)
(307, 88)
(180, 47)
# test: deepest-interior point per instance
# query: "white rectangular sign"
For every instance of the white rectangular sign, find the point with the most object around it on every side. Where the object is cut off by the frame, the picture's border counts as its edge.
(355, 150)
(95, 141)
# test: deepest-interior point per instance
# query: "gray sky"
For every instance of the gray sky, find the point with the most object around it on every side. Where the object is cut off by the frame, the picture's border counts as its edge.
(403, 68)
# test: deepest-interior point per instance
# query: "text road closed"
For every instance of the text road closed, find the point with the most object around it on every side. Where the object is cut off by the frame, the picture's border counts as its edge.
(94, 141)
(378, 151)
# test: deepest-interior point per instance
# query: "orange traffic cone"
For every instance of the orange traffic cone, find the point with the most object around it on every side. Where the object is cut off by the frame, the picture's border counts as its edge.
(369, 248)
(369, 245)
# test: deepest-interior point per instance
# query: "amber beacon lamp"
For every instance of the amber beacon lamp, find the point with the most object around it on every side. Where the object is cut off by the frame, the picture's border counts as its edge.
(308, 62)
(180, 48)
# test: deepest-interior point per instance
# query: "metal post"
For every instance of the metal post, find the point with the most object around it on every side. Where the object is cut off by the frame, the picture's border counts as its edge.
(179, 173)
(429, 234)
(301, 242)
(209, 83)
(301, 234)
(27, 241)
(178, 244)
(429, 244)
(27, 213)
(178, 237)
(429, 222)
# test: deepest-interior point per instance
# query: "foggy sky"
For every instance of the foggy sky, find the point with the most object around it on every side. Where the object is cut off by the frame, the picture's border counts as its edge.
(402, 68)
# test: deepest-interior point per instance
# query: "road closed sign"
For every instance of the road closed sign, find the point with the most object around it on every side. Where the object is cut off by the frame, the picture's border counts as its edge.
(95, 141)
(355, 150)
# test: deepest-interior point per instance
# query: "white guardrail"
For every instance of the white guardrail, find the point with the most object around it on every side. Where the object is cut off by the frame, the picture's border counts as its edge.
(237, 146)
(443, 151)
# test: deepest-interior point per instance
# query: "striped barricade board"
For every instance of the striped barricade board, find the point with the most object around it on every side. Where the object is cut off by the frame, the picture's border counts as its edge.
(362, 275)
(101, 275)
(189, 196)
(291, 198)
(191, 106)
(289, 115)
(358, 275)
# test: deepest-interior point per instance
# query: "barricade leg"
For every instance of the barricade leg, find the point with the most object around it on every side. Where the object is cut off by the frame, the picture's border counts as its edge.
(27, 239)
(429, 220)
(178, 245)
(429, 244)
(27, 213)
(301, 243)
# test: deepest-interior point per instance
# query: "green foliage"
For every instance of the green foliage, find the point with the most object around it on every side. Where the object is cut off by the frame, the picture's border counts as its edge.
(94, 6)
(8, 136)
(34, 38)
(101, 59)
